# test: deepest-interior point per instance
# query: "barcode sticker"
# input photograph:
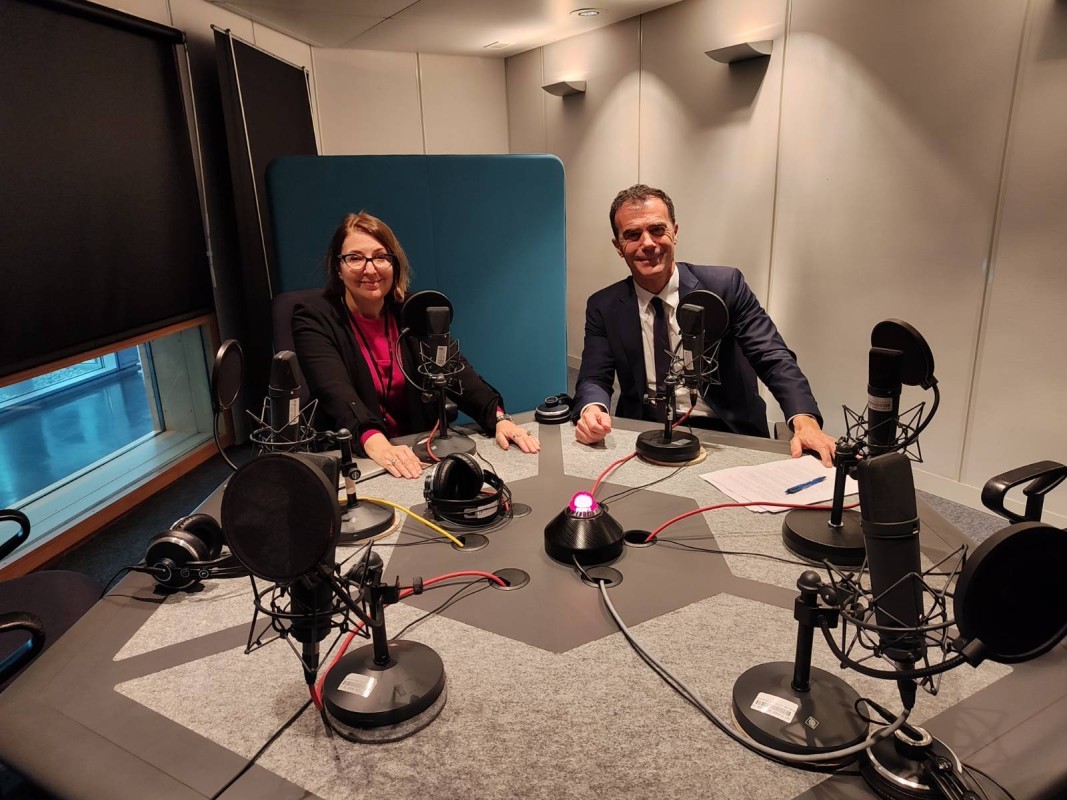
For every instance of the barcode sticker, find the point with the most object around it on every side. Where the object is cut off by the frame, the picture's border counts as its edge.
(775, 706)
(354, 683)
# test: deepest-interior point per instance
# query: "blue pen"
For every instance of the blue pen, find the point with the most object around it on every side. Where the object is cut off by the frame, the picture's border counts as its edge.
(807, 484)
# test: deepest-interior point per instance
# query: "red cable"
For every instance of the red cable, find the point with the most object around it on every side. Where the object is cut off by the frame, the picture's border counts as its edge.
(429, 439)
(315, 697)
(659, 530)
(316, 691)
(621, 461)
(611, 466)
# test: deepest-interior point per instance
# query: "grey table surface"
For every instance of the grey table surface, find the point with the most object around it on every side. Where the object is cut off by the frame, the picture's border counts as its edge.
(154, 696)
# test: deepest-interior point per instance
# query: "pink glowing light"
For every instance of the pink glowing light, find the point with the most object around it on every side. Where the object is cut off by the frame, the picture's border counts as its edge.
(583, 503)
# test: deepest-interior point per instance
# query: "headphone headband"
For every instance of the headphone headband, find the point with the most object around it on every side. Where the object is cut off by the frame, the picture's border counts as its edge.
(453, 489)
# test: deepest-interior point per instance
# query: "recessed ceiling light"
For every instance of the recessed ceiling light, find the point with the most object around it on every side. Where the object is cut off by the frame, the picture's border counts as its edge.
(496, 45)
(586, 12)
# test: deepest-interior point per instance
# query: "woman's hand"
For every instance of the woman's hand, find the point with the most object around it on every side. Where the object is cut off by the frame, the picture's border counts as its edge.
(507, 431)
(399, 461)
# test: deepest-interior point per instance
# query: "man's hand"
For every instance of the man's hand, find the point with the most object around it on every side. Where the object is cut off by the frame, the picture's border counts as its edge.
(593, 426)
(807, 435)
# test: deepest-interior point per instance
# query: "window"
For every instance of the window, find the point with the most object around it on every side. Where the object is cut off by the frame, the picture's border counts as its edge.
(75, 438)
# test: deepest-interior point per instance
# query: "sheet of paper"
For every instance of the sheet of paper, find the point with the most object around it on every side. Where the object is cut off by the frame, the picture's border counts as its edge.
(768, 482)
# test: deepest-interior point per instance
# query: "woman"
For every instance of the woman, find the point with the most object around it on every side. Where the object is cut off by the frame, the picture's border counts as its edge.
(346, 344)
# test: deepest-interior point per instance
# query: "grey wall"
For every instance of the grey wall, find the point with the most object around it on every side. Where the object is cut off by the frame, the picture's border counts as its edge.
(888, 160)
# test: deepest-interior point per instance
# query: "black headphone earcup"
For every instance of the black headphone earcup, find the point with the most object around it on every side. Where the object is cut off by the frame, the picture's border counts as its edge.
(457, 477)
(207, 529)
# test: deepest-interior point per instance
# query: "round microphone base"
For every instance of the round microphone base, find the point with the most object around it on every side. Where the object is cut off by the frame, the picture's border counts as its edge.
(808, 534)
(369, 703)
(367, 520)
(902, 767)
(455, 443)
(770, 711)
(683, 447)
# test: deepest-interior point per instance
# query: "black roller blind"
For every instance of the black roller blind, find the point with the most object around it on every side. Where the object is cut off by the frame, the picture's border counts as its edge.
(102, 237)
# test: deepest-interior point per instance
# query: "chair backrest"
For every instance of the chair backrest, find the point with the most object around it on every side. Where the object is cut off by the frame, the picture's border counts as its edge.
(281, 313)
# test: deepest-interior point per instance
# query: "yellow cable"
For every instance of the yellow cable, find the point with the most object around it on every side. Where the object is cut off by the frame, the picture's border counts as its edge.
(411, 513)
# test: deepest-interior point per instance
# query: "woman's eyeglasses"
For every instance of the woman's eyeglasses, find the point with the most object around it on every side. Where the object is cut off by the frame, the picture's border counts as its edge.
(358, 261)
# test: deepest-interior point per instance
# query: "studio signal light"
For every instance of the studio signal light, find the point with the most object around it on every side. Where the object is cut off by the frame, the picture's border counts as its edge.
(584, 532)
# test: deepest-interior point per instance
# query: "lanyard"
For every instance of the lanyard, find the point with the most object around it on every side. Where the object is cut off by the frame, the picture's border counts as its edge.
(382, 388)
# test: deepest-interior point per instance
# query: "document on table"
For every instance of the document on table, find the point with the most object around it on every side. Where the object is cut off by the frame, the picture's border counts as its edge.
(768, 482)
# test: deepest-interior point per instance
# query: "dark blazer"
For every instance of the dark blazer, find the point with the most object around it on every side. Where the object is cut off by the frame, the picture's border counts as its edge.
(340, 378)
(752, 346)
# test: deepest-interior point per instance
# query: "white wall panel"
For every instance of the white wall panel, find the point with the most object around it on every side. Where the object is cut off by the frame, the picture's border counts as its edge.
(894, 118)
(1021, 391)
(464, 104)
(595, 135)
(155, 10)
(526, 103)
(368, 102)
(709, 131)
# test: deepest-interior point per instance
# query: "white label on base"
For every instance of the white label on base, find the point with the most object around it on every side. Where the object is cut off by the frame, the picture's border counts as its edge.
(354, 683)
(774, 706)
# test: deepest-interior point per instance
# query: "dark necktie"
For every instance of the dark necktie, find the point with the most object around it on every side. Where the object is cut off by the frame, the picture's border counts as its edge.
(661, 343)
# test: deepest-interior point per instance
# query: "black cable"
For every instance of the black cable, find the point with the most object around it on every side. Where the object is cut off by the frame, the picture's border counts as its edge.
(274, 737)
(988, 777)
(453, 599)
(717, 551)
(627, 492)
(681, 692)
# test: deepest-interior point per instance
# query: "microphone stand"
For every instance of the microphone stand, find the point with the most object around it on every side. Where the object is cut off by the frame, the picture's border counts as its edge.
(361, 520)
(444, 443)
(796, 707)
(837, 538)
(668, 446)
(384, 683)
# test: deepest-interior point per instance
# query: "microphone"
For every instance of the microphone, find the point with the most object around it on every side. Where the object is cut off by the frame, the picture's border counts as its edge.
(691, 324)
(883, 399)
(438, 319)
(890, 524)
(702, 320)
(283, 396)
(283, 521)
(311, 599)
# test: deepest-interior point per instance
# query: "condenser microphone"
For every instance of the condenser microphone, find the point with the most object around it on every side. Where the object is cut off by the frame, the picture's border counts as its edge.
(312, 601)
(691, 325)
(702, 321)
(890, 524)
(283, 397)
(883, 400)
(438, 320)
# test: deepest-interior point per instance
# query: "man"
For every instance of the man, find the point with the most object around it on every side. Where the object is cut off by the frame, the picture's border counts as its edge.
(620, 331)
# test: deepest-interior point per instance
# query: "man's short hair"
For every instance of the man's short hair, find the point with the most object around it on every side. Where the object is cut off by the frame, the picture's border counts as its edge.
(639, 193)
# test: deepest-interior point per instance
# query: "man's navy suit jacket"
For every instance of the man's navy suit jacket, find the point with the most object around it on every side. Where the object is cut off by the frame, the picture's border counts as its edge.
(751, 346)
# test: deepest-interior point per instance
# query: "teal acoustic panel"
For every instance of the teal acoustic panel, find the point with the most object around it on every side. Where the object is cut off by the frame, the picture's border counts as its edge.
(487, 231)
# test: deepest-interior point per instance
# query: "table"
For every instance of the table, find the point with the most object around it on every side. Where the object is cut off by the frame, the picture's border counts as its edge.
(152, 696)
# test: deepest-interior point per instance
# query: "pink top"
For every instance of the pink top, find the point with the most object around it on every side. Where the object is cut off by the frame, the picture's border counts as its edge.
(377, 341)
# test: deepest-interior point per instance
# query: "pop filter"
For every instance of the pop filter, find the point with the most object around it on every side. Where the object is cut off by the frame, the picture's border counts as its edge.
(413, 316)
(917, 361)
(281, 516)
(227, 374)
(1008, 608)
(716, 315)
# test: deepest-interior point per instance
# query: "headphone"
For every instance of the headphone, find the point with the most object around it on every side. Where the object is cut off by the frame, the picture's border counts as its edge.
(190, 552)
(453, 489)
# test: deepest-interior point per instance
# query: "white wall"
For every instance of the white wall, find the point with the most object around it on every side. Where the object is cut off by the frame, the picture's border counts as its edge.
(380, 103)
(900, 160)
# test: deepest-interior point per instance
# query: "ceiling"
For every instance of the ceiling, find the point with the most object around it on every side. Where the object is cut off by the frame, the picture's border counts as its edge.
(496, 28)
